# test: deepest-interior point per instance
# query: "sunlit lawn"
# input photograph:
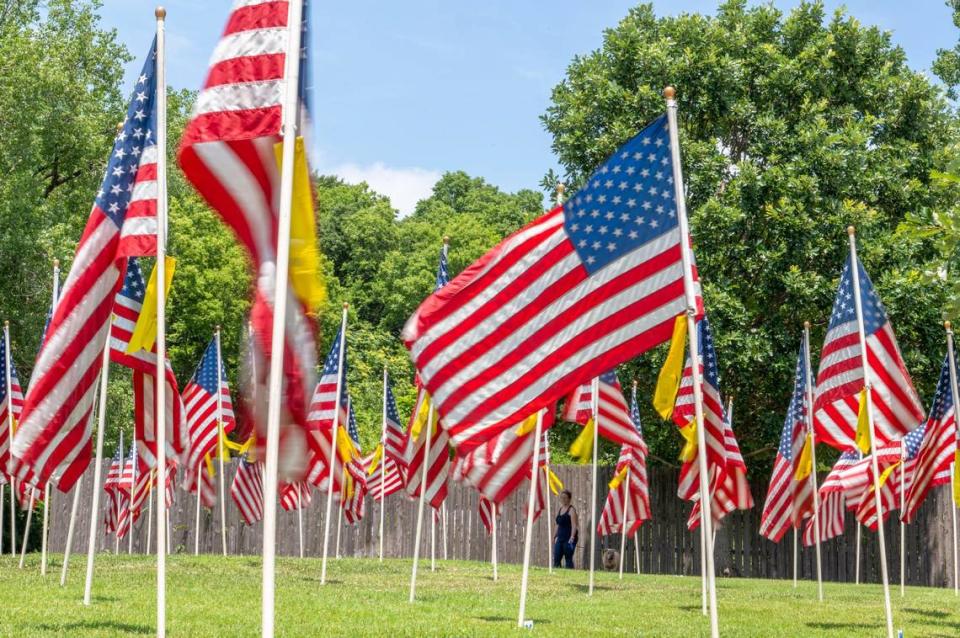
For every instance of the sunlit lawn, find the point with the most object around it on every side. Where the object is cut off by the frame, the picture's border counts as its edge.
(215, 596)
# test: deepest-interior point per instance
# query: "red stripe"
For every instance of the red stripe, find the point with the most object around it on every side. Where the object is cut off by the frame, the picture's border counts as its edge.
(257, 16)
(227, 126)
(260, 68)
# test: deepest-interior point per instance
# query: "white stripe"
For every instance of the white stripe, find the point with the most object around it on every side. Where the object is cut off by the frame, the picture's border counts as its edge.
(254, 42)
(143, 190)
(139, 226)
(239, 97)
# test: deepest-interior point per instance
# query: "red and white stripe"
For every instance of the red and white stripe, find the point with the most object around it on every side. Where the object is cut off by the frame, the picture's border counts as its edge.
(614, 423)
(138, 236)
(15, 401)
(729, 488)
(247, 491)
(615, 514)
(227, 153)
(294, 496)
(354, 504)
(387, 471)
(487, 509)
(831, 518)
(145, 410)
(525, 323)
(683, 413)
(789, 501)
(437, 461)
(201, 411)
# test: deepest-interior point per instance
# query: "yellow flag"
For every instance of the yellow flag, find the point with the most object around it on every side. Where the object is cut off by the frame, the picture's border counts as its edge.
(582, 446)
(886, 473)
(863, 424)
(423, 411)
(347, 484)
(304, 254)
(956, 478)
(209, 462)
(689, 433)
(227, 444)
(805, 462)
(668, 382)
(618, 478)
(248, 446)
(344, 445)
(529, 425)
(145, 331)
(553, 480)
(375, 461)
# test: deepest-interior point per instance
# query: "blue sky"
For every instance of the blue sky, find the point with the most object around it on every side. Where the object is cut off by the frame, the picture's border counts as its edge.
(407, 90)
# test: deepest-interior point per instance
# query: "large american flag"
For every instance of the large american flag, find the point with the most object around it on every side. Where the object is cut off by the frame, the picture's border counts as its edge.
(588, 285)
(896, 406)
(713, 412)
(394, 440)
(614, 419)
(227, 153)
(938, 449)
(200, 399)
(11, 402)
(789, 500)
(247, 490)
(54, 437)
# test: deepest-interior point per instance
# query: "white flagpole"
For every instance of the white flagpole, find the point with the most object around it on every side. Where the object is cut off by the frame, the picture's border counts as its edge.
(149, 513)
(952, 361)
(493, 549)
(26, 528)
(636, 550)
(300, 518)
(97, 473)
(271, 462)
(423, 495)
(623, 525)
(595, 411)
(2, 493)
(132, 485)
(196, 523)
(857, 567)
(813, 455)
(528, 540)
(443, 519)
(336, 424)
(868, 384)
(46, 488)
(160, 425)
(340, 519)
(706, 520)
(116, 535)
(10, 433)
(220, 436)
(70, 528)
(383, 458)
(795, 556)
(433, 539)
(546, 477)
(903, 526)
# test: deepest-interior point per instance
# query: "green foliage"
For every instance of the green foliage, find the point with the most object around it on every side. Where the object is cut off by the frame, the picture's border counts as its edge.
(792, 127)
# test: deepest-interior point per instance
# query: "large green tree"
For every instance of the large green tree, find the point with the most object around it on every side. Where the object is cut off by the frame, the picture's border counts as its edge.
(792, 126)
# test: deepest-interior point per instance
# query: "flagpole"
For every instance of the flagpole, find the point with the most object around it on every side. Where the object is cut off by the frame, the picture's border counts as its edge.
(795, 553)
(546, 454)
(97, 473)
(300, 517)
(868, 384)
(857, 577)
(443, 519)
(343, 490)
(331, 464)
(595, 411)
(292, 76)
(116, 531)
(951, 357)
(149, 512)
(623, 525)
(196, 524)
(220, 437)
(903, 526)
(636, 550)
(383, 458)
(528, 540)
(493, 551)
(46, 488)
(10, 432)
(433, 539)
(26, 528)
(813, 454)
(2, 509)
(423, 493)
(706, 522)
(133, 483)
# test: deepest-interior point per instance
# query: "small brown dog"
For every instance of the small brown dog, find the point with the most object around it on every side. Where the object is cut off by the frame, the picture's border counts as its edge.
(611, 560)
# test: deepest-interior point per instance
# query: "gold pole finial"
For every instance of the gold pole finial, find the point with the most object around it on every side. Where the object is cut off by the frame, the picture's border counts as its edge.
(446, 239)
(946, 325)
(851, 230)
(345, 305)
(160, 12)
(806, 324)
(669, 92)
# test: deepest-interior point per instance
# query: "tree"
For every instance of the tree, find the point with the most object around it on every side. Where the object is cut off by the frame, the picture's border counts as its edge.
(792, 127)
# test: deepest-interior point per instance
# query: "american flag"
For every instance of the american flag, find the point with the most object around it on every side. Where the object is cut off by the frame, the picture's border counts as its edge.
(588, 285)
(247, 490)
(389, 472)
(896, 406)
(902, 470)
(227, 153)
(12, 402)
(127, 481)
(487, 510)
(729, 488)
(54, 436)
(438, 463)
(356, 489)
(200, 400)
(324, 409)
(111, 516)
(395, 441)
(789, 500)
(615, 514)
(848, 477)
(208, 490)
(294, 496)
(713, 413)
(614, 421)
(938, 449)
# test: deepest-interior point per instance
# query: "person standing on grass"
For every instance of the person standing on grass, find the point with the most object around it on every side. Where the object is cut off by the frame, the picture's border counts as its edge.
(567, 531)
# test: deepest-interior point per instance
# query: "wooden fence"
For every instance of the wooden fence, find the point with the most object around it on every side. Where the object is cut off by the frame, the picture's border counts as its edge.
(666, 547)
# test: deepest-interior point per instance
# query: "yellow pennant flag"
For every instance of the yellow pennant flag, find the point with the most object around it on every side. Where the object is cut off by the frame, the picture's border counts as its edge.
(886, 473)
(529, 425)
(304, 254)
(209, 462)
(344, 445)
(423, 411)
(956, 478)
(247, 447)
(863, 424)
(553, 480)
(668, 381)
(145, 331)
(805, 462)
(582, 447)
(227, 444)
(375, 461)
(347, 484)
(618, 478)
(689, 434)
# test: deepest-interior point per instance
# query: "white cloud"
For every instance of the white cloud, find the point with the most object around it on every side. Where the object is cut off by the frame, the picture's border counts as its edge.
(404, 186)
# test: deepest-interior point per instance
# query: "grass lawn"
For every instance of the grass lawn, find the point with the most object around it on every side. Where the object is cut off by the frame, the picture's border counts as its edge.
(215, 596)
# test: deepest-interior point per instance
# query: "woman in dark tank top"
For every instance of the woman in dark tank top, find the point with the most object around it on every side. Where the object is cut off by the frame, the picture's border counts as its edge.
(567, 531)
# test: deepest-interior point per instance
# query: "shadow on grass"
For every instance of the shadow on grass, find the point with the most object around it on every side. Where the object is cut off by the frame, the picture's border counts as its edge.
(500, 619)
(586, 588)
(930, 613)
(696, 608)
(829, 626)
(99, 625)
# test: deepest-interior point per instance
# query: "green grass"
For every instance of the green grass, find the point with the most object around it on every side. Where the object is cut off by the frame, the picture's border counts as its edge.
(214, 596)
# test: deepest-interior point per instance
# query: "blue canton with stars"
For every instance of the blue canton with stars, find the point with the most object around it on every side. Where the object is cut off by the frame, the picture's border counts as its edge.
(797, 412)
(393, 416)
(443, 278)
(206, 373)
(844, 306)
(627, 202)
(134, 287)
(332, 362)
(137, 133)
(352, 427)
(942, 405)
(711, 373)
(3, 371)
(635, 410)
